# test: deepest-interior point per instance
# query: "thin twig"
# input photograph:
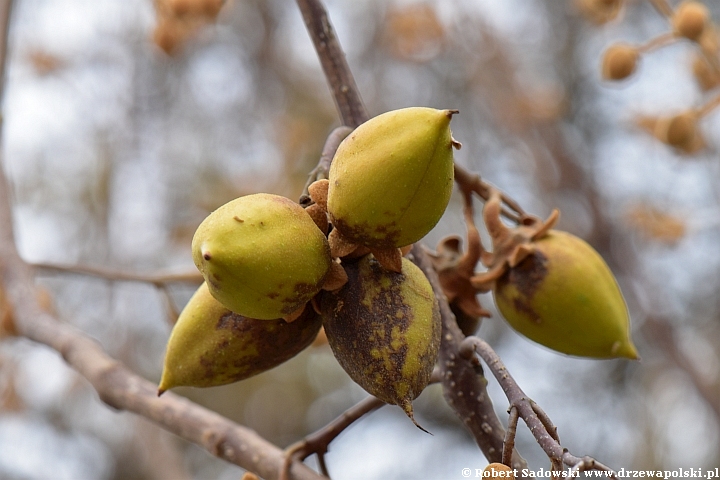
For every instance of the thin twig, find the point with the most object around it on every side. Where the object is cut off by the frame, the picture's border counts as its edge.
(332, 58)
(464, 386)
(318, 442)
(709, 106)
(663, 7)
(471, 182)
(172, 312)
(540, 428)
(509, 443)
(657, 42)
(322, 168)
(158, 279)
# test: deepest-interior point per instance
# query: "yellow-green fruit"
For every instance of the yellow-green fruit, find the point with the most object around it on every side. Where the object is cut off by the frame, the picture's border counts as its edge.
(391, 179)
(565, 297)
(262, 255)
(210, 345)
(384, 329)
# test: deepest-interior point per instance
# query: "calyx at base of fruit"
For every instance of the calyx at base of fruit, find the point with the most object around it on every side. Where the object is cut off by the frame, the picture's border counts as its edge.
(455, 269)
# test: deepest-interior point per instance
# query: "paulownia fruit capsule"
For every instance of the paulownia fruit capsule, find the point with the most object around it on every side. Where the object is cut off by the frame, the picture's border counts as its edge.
(261, 255)
(391, 178)
(210, 345)
(384, 329)
(564, 296)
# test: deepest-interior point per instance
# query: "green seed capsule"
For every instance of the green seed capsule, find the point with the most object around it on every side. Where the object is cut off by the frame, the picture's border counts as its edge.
(391, 179)
(210, 345)
(261, 255)
(565, 297)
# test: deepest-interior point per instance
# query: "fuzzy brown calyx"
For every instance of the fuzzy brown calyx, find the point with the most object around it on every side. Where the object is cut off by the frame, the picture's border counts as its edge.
(510, 245)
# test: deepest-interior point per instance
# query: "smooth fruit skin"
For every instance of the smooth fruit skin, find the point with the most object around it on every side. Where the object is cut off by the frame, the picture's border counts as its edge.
(261, 255)
(210, 345)
(565, 297)
(391, 179)
(384, 329)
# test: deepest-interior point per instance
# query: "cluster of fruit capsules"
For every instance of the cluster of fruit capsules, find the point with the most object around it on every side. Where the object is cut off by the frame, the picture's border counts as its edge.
(689, 21)
(275, 272)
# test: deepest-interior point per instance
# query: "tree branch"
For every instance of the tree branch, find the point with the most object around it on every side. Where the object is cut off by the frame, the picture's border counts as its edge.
(116, 385)
(464, 386)
(332, 58)
(119, 387)
(537, 421)
(158, 279)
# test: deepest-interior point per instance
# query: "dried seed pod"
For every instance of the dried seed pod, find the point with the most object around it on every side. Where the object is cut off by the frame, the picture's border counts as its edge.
(678, 130)
(210, 345)
(619, 61)
(391, 179)
(498, 470)
(564, 296)
(690, 20)
(384, 329)
(262, 256)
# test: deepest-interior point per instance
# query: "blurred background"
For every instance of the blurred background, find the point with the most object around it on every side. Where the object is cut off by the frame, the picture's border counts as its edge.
(126, 123)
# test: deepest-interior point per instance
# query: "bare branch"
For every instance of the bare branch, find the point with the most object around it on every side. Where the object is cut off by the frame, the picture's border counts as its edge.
(662, 334)
(321, 170)
(342, 83)
(318, 442)
(470, 182)
(158, 279)
(120, 388)
(509, 443)
(464, 386)
(541, 428)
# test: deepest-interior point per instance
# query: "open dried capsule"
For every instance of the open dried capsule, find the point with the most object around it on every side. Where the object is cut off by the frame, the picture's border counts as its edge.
(210, 345)
(391, 179)
(384, 329)
(563, 295)
(261, 255)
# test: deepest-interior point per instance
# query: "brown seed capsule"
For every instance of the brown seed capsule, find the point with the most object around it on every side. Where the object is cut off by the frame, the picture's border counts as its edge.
(384, 329)
(619, 61)
(680, 129)
(690, 19)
